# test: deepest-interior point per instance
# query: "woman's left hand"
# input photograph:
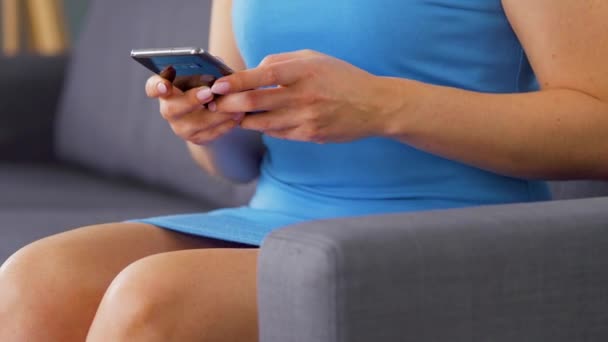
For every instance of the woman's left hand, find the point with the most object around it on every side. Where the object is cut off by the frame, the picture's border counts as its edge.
(312, 97)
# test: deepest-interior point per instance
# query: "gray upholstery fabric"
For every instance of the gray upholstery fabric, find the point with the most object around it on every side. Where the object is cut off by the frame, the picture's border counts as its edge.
(532, 272)
(29, 89)
(20, 227)
(41, 199)
(578, 189)
(105, 120)
(48, 186)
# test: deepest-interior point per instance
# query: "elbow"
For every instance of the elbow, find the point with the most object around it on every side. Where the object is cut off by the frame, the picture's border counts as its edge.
(238, 178)
(242, 170)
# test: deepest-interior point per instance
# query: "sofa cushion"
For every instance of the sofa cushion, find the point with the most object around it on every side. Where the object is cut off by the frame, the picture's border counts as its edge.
(106, 122)
(578, 189)
(42, 199)
(22, 226)
(51, 186)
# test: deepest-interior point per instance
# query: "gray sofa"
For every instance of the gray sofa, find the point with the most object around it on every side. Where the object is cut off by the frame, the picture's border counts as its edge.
(81, 145)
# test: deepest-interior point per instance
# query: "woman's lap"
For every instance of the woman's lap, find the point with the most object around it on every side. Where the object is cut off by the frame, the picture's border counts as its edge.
(77, 267)
(244, 225)
(205, 294)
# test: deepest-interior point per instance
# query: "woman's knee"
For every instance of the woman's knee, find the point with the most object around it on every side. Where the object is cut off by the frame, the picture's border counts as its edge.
(181, 296)
(38, 288)
(26, 271)
(138, 306)
(13, 283)
(51, 274)
(36, 276)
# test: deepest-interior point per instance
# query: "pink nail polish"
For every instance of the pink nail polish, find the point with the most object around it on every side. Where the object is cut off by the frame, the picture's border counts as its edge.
(212, 106)
(221, 88)
(204, 94)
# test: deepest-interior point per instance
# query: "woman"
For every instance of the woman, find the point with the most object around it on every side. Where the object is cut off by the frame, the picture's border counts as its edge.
(397, 106)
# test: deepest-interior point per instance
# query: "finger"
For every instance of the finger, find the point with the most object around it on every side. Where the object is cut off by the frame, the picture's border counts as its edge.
(282, 73)
(175, 107)
(282, 57)
(186, 83)
(207, 136)
(224, 129)
(285, 134)
(157, 86)
(277, 120)
(207, 120)
(169, 73)
(201, 95)
(255, 100)
(194, 123)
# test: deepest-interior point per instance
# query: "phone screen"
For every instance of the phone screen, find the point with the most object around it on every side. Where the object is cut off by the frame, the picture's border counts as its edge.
(184, 70)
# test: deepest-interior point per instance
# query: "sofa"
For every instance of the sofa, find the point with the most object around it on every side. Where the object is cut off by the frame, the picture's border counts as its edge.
(81, 144)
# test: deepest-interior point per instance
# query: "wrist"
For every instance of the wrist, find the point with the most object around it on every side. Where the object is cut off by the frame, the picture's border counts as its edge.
(397, 106)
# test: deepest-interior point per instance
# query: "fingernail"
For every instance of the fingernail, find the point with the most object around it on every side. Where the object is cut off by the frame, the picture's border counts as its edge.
(221, 88)
(212, 106)
(238, 116)
(204, 94)
(162, 88)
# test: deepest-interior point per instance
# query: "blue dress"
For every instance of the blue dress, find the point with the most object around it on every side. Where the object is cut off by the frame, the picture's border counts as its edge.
(467, 44)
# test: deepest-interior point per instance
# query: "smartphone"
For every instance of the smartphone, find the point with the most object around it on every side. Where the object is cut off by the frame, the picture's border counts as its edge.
(185, 67)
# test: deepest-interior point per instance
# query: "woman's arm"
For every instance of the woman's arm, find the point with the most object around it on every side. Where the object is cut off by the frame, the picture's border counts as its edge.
(559, 132)
(236, 155)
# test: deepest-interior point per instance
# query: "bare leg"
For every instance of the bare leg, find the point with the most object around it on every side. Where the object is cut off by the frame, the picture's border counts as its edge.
(50, 289)
(199, 295)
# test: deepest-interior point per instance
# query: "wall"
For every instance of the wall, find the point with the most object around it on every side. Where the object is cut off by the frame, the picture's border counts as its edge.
(75, 11)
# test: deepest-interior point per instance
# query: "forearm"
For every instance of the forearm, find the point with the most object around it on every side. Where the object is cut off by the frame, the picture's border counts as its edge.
(236, 155)
(552, 134)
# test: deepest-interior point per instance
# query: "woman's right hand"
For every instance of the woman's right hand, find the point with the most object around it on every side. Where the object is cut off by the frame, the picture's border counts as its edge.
(187, 112)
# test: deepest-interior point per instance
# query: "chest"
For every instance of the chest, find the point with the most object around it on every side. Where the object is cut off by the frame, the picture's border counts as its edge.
(363, 26)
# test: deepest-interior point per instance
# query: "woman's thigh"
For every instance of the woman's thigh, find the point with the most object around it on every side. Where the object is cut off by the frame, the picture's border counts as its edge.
(55, 284)
(196, 295)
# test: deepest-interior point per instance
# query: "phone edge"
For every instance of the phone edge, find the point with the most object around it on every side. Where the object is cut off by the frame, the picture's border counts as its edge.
(167, 51)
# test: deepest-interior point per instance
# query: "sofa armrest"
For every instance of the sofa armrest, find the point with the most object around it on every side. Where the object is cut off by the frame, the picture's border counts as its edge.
(524, 272)
(30, 87)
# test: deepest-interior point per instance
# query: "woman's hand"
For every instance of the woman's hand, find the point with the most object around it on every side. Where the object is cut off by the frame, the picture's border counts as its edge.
(316, 98)
(187, 114)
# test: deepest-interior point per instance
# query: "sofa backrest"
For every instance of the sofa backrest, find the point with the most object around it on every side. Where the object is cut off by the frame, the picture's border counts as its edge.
(105, 121)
